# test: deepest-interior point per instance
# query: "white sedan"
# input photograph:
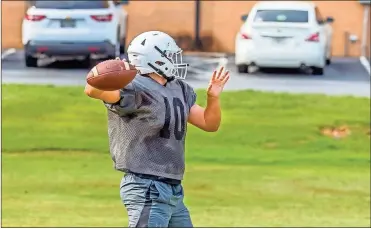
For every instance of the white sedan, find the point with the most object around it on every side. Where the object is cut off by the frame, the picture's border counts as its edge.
(286, 35)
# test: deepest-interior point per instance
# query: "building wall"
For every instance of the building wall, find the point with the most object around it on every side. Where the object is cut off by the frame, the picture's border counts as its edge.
(173, 17)
(12, 13)
(220, 21)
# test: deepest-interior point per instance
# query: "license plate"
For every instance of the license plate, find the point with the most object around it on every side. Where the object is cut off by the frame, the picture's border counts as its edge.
(68, 23)
(279, 40)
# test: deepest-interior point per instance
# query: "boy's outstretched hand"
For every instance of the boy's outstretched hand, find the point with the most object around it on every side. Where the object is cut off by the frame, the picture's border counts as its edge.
(217, 82)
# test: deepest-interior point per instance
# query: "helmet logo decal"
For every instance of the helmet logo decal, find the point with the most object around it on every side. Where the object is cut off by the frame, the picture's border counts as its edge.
(162, 53)
(160, 63)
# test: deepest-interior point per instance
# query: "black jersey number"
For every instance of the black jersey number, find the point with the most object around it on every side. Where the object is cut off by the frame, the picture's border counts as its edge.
(179, 129)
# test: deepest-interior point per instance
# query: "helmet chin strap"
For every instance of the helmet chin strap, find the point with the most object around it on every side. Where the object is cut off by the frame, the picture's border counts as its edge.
(161, 73)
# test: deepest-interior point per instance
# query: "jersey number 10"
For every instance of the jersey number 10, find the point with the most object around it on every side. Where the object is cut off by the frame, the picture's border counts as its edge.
(179, 128)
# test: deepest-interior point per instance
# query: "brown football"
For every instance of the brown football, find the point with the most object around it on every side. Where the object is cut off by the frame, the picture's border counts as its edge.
(111, 75)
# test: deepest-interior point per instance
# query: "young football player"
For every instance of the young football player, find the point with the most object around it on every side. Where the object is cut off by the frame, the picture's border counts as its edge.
(147, 126)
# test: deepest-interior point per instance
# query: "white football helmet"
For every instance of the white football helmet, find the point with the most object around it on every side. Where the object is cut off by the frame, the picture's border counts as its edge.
(157, 52)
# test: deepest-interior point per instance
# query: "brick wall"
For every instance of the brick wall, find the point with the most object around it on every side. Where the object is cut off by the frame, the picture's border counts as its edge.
(12, 13)
(220, 21)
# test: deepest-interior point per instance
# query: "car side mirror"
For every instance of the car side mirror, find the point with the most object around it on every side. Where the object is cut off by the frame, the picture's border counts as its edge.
(329, 19)
(320, 22)
(244, 17)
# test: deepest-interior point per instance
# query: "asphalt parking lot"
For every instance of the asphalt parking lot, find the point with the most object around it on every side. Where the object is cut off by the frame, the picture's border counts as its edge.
(345, 76)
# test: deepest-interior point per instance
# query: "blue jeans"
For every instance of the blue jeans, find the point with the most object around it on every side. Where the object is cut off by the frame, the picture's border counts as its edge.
(151, 203)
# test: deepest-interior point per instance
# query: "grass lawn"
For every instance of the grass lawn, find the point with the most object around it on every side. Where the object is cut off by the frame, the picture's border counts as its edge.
(267, 166)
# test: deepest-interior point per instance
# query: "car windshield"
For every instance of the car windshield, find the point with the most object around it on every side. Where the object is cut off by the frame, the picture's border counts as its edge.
(70, 4)
(293, 16)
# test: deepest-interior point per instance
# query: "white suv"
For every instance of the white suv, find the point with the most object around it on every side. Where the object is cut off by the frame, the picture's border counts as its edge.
(73, 29)
(284, 34)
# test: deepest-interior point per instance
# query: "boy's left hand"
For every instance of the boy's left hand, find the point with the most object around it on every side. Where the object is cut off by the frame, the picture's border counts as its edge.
(217, 82)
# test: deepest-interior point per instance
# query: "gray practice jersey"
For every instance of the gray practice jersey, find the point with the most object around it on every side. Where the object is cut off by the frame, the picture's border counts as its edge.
(147, 127)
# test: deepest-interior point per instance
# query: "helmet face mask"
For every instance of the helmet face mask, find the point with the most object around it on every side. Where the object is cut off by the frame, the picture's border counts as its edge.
(180, 68)
(156, 52)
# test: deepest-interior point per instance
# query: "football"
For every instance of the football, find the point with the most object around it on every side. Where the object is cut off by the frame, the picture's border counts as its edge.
(111, 75)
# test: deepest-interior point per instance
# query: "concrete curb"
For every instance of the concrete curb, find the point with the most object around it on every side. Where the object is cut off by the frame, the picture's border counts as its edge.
(366, 64)
(7, 53)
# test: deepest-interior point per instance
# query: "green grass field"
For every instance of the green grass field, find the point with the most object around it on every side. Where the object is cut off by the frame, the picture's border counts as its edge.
(267, 166)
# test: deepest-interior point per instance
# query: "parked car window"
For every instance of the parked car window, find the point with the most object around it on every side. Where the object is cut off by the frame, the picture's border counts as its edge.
(297, 16)
(70, 4)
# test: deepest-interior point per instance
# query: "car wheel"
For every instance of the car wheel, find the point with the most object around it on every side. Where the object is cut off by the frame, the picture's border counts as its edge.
(317, 71)
(30, 61)
(86, 62)
(328, 61)
(243, 68)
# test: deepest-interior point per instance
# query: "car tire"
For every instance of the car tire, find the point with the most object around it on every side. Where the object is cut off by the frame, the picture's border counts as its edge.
(317, 71)
(86, 62)
(30, 61)
(328, 61)
(242, 68)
